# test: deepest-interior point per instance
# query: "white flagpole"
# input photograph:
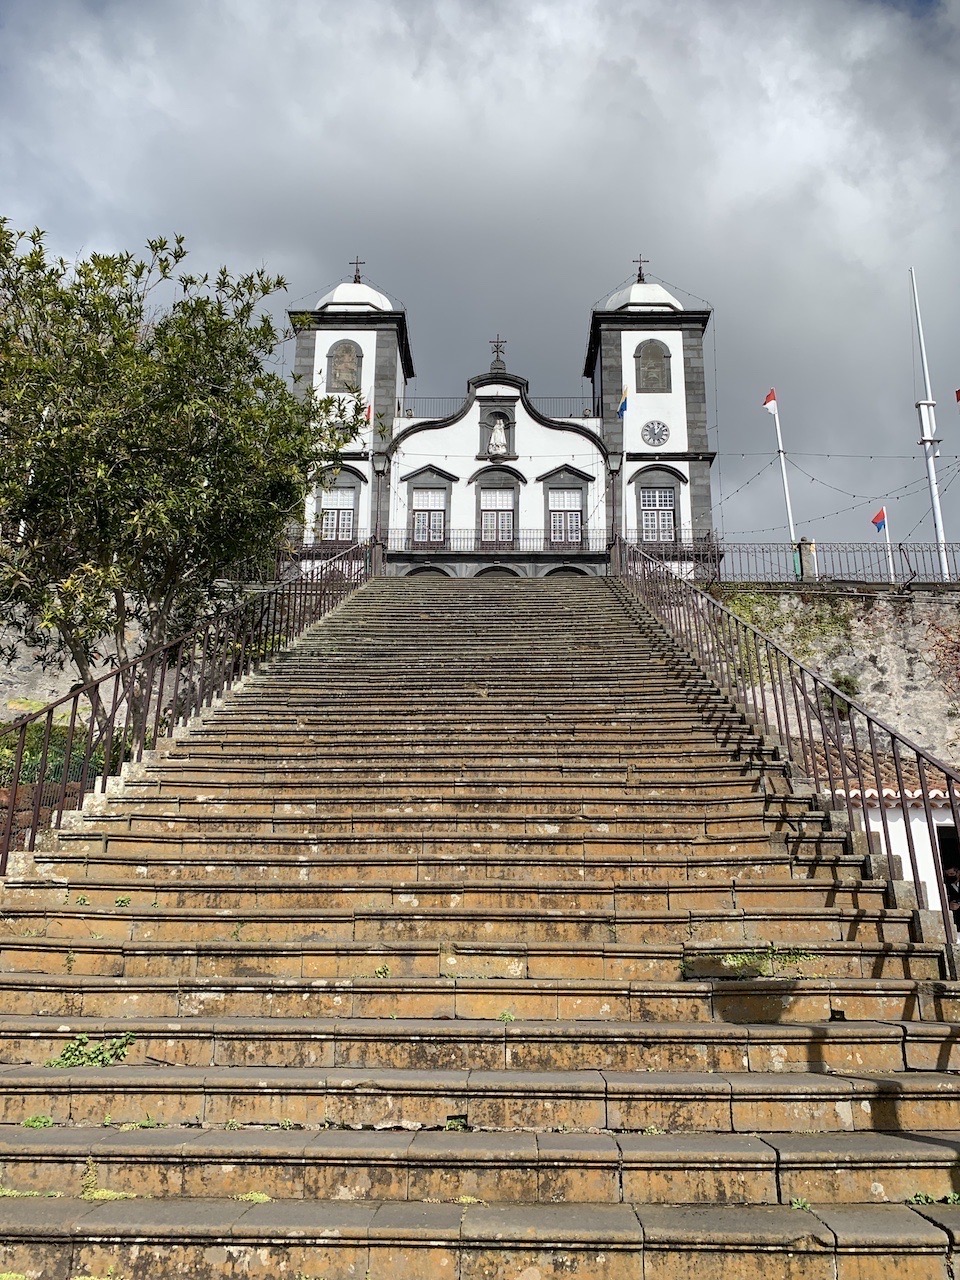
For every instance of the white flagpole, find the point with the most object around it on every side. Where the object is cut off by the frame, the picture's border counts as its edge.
(886, 531)
(783, 472)
(928, 439)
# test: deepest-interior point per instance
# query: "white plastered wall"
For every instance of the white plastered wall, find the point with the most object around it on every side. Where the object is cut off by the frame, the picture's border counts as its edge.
(540, 449)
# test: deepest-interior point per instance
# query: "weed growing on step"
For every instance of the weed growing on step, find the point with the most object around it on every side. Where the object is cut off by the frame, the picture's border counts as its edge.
(12, 1275)
(799, 1202)
(233, 1124)
(235, 931)
(768, 961)
(124, 900)
(382, 971)
(90, 1188)
(922, 1197)
(37, 1122)
(253, 1197)
(82, 900)
(286, 1124)
(456, 1124)
(106, 1054)
(147, 1122)
(506, 1016)
(653, 1131)
(69, 960)
(10, 1193)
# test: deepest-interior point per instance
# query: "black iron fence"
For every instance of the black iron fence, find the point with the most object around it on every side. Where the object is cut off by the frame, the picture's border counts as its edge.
(50, 760)
(445, 406)
(864, 766)
(810, 562)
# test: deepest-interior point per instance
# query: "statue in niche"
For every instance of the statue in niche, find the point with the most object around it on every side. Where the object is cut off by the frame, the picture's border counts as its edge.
(344, 368)
(497, 448)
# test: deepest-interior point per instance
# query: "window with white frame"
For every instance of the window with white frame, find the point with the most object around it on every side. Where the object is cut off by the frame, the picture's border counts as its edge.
(566, 515)
(429, 513)
(337, 507)
(496, 515)
(658, 515)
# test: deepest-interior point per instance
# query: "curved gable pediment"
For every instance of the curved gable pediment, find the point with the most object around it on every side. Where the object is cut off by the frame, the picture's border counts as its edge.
(653, 471)
(424, 473)
(499, 470)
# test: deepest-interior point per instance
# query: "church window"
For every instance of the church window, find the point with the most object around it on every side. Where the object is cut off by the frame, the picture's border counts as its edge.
(658, 515)
(652, 359)
(429, 515)
(496, 515)
(566, 515)
(344, 366)
(337, 508)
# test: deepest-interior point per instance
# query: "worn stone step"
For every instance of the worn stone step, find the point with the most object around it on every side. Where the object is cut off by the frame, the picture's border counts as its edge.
(483, 921)
(508, 1168)
(490, 1044)
(256, 859)
(605, 888)
(244, 951)
(682, 1102)
(258, 995)
(411, 1241)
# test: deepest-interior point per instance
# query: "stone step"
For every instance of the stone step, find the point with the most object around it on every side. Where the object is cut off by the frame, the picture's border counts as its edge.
(486, 921)
(683, 1102)
(779, 1000)
(627, 792)
(189, 857)
(225, 952)
(406, 822)
(489, 1044)
(608, 893)
(415, 1240)
(507, 1168)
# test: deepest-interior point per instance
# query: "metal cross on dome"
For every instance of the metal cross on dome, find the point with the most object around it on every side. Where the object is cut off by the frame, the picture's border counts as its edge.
(498, 344)
(357, 263)
(640, 263)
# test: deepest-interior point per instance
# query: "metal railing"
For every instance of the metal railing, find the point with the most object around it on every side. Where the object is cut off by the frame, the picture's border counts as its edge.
(444, 406)
(50, 760)
(810, 562)
(524, 540)
(851, 756)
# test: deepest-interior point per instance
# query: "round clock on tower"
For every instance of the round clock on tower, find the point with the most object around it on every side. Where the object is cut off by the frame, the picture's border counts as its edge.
(655, 433)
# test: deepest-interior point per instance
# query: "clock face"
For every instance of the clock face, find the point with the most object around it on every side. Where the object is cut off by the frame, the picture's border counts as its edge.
(656, 433)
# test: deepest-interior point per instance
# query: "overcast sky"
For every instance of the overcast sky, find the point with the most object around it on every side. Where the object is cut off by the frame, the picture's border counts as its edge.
(499, 163)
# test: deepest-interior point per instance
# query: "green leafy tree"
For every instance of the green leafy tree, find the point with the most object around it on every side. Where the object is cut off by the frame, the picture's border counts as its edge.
(149, 442)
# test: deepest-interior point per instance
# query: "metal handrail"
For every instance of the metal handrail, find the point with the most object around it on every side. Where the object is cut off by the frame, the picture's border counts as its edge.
(61, 753)
(846, 751)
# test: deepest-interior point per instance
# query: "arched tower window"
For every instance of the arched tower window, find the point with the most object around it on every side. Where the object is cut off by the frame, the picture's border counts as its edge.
(658, 503)
(652, 359)
(344, 366)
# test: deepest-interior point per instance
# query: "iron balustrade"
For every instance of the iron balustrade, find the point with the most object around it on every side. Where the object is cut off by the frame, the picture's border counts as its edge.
(446, 406)
(53, 758)
(524, 540)
(848, 753)
(809, 562)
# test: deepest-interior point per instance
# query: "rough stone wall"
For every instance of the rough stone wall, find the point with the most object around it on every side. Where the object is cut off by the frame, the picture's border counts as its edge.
(899, 655)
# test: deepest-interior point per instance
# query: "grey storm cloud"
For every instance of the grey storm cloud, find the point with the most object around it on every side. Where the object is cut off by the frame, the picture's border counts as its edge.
(499, 164)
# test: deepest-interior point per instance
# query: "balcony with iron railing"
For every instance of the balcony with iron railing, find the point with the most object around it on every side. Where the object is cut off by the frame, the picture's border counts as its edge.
(446, 406)
(523, 542)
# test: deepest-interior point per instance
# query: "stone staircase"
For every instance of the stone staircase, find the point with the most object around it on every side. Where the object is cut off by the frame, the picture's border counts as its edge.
(478, 938)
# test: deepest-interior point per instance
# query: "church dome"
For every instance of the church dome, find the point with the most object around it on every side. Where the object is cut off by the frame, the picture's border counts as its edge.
(354, 297)
(642, 296)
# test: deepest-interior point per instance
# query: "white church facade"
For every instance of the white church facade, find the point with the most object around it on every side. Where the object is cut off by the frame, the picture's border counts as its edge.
(495, 482)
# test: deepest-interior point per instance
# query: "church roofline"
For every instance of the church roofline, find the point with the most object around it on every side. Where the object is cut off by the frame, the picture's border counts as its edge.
(501, 379)
(303, 318)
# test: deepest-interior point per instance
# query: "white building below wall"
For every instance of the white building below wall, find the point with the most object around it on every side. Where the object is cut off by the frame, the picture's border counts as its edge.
(496, 483)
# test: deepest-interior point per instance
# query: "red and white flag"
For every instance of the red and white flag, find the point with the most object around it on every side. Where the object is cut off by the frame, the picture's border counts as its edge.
(958, 395)
(770, 404)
